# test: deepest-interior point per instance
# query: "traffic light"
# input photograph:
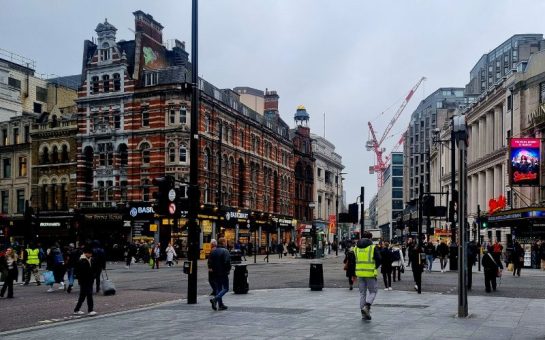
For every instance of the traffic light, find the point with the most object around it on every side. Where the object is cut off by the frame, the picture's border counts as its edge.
(484, 222)
(428, 205)
(353, 212)
(165, 196)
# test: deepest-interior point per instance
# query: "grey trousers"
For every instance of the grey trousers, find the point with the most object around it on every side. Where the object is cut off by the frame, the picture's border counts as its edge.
(367, 284)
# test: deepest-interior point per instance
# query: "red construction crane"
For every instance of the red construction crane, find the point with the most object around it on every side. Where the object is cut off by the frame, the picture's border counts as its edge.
(375, 145)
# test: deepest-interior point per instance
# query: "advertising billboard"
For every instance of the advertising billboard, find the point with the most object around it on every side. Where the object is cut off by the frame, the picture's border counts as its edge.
(525, 160)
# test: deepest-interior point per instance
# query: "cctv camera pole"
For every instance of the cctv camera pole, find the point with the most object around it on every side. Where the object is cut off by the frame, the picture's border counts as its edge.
(194, 197)
(362, 219)
(461, 137)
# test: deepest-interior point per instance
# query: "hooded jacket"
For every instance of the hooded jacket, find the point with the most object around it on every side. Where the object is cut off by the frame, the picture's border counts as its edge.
(364, 243)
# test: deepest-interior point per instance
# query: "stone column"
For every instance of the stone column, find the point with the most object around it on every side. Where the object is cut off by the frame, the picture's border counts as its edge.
(480, 147)
(497, 181)
(482, 188)
(474, 192)
(489, 186)
(489, 132)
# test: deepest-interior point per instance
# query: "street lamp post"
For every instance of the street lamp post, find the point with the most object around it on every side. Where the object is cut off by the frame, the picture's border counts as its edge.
(339, 177)
(193, 227)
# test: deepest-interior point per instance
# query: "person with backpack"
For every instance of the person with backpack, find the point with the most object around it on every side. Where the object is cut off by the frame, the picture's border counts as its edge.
(398, 262)
(55, 263)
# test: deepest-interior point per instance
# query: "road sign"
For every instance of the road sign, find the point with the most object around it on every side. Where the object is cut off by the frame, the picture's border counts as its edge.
(172, 208)
(172, 195)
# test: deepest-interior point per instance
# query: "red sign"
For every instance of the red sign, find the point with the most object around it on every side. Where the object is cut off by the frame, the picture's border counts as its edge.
(332, 224)
(496, 204)
(172, 208)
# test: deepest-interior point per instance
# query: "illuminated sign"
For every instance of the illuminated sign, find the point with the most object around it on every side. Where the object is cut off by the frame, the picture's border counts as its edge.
(524, 154)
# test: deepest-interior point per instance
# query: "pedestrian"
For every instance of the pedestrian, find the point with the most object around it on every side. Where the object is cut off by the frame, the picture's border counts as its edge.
(443, 252)
(72, 260)
(129, 252)
(280, 249)
(99, 256)
(86, 270)
(367, 261)
(55, 263)
(220, 263)
(386, 265)
(542, 254)
(31, 261)
(156, 255)
(472, 251)
(213, 245)
(350, 266)
(398, 262)
(429, 250)
(517, 258)
(417, 258)
(171, 253)
(492, 268)
(8, 263)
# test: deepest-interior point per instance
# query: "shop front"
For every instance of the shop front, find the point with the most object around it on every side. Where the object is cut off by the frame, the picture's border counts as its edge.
(526, 226)
(52, 228)
(105, 226)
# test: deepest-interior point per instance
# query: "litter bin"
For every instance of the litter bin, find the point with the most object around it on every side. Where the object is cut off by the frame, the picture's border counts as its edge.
(316, 278)
(240, 279)
(236, 256)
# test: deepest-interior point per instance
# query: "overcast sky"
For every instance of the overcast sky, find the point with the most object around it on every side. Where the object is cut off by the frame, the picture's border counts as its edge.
(349, 59)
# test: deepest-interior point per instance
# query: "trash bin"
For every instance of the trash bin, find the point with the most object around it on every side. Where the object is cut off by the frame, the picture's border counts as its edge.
(236, 256)
(316, 279)
(240, 279)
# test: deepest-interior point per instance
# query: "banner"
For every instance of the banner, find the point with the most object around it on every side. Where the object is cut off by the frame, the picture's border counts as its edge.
(525, 160)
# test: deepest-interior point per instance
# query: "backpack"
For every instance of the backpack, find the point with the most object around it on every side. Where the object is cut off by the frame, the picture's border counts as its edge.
(396, 256)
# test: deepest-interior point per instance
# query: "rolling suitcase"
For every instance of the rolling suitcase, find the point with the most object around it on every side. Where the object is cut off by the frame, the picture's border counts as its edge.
(107, 286)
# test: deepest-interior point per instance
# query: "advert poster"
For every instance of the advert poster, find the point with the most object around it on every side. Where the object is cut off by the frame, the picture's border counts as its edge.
(525, 161)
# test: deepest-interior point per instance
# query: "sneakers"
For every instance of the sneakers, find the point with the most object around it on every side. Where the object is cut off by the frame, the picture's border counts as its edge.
(69, 289)
(61, 286)
(366, 313)
(38, 283)
(386, 288)
(50, 290)
(222, 307)
(390, 288)
(416, 287)
(79, 313)
(213, 302)
(351, 287)
(92, 313)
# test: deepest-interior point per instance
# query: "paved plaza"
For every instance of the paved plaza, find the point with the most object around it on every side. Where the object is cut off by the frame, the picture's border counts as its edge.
(298, 313)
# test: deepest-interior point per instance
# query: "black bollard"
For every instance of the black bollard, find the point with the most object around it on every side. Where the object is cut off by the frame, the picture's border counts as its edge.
(316, 279)
(240, 279)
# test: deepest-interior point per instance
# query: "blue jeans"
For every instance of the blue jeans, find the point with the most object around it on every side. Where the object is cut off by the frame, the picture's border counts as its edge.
(222, 287)
(429, 259)
(70, 275)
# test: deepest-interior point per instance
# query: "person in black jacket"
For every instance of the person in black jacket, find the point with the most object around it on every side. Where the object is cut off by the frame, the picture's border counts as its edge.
(472, 251)
(442, 252)
(219, 262)
(100, 259)
(86, 269)
(490, 268)
(517, 257)
(417, 259)
(8, 262)
(350, 265)
(386, 266)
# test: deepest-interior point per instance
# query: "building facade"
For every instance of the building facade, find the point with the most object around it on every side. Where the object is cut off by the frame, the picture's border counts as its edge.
(390, 202)
(328, 186)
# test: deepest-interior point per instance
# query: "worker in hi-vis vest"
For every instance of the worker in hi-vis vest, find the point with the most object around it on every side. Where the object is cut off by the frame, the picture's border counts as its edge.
(367, 262)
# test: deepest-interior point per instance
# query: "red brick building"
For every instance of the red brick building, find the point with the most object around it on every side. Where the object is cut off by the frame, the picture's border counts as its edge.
(133, 126)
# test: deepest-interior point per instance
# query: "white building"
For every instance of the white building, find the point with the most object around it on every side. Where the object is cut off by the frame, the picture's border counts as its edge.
(328, 186)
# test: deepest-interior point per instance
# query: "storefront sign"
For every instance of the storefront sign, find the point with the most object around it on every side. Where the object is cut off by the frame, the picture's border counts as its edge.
(103, 217)
(525, 161)
(284, 222)
(206, 226)
(236, 215)
(537, 116)
(153, 227)
(496, 204)
(141, 210)
(50, 224)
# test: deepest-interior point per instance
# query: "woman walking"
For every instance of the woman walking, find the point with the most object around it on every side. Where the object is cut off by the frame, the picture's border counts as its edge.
(9, 262)
(171, 253)
(517, 258)
(386, 267)
(350, 266)
(398, 262)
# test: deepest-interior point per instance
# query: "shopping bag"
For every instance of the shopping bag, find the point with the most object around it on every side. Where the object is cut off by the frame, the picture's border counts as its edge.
(49, 278)
(107, 286)
(151, 263)
(510, 267)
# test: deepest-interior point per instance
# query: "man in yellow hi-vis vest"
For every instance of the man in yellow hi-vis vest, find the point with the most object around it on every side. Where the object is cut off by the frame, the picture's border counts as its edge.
(367, 262)
(31, 260)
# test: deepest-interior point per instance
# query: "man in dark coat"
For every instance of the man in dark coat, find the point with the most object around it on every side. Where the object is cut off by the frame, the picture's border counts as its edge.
(417, 259)
(219, 264)
(472, 251)
(350, 266)
(86, 269)
(490, 268)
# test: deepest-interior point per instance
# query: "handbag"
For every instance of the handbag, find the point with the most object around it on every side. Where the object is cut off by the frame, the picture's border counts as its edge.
(510, 267)
(498, 270)
(49, 278)
(108, 287)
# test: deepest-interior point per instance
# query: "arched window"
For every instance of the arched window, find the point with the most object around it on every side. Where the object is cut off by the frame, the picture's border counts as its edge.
(64, 153)
(45, 155)
(105, 52)
(101, 191)
(55, 154)
(206, 159)
(206, 195)
(183, 115)
(183, 154)
(207, 123)
(117, 82)
(64, 194)
(171, 152)
(145, 189)
(145, 153)
(241, 137)
(106, 83)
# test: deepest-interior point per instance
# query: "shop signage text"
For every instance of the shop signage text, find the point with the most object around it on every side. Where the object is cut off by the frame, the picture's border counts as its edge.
(234, 214)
